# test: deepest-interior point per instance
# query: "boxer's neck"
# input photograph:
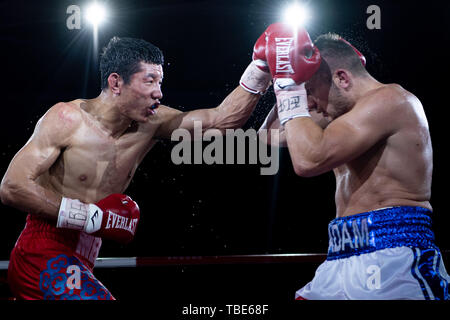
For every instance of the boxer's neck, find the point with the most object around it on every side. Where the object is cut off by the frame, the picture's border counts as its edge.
(106, 111)
(363, 85)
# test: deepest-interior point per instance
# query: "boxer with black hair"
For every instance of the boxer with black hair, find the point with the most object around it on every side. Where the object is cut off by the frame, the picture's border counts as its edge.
(71, 174)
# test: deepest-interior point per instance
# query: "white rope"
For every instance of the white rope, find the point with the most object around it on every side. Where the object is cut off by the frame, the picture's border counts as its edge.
(115, 262)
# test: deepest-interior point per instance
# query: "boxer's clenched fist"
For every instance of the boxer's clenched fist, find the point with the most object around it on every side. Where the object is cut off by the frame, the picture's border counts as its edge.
(292, 59)
(114, 217)
(290, 53)
(256, 78)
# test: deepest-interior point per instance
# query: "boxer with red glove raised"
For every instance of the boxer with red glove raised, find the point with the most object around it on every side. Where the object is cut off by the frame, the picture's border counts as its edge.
(87, 149)
(114, 217)
(256, 78)
(292, 59)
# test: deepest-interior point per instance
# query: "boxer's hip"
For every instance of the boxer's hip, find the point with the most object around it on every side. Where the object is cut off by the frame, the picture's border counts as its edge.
(40, 237)
(380, 229)
(383, 254)
(51, 263)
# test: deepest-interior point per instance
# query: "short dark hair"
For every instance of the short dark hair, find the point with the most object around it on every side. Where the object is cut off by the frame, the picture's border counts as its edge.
(124, 55)
(339, 54)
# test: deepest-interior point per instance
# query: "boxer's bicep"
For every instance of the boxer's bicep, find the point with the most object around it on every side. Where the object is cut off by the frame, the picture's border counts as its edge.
(20, 187)
(232, 113)
(52, 133)
(173, 119)
(354, 133)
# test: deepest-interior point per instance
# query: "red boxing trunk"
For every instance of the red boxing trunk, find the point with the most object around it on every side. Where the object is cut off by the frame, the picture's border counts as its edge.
(54, 264)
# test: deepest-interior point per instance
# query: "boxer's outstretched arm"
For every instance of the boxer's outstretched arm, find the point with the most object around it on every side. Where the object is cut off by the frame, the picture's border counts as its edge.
(237, 107)
(19, 188)
(232, 113)
(315, 151)
(272, 122)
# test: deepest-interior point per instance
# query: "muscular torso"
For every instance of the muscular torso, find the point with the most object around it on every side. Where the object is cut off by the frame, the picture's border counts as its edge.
(396, 171)
(95, 165)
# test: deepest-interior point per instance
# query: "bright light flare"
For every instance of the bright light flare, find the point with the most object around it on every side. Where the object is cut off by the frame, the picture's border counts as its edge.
(296, 15)
(96, 14)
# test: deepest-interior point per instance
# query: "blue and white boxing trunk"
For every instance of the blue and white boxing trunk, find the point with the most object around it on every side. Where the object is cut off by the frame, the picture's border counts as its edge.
(385, 254)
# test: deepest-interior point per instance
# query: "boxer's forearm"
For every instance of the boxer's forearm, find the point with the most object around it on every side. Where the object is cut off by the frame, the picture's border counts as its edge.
(234, 111)
(305, 143)
(28, 196)
(271, 131)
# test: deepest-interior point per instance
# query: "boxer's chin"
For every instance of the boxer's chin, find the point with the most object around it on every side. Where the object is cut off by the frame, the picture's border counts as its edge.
(150, 111)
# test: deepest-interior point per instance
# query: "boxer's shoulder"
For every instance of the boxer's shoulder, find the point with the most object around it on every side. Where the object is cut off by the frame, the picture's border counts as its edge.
(394, 94)
(396, 100)
(385, 98)
(63, 116)
(65, 111)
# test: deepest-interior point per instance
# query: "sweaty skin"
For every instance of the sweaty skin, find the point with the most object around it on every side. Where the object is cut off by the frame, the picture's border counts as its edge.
(88, 149)
(380, 150)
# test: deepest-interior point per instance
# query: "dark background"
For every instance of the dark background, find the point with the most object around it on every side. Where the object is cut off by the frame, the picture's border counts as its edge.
(194, 210)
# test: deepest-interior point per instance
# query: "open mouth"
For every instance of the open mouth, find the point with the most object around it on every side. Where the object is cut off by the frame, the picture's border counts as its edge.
(152, 109)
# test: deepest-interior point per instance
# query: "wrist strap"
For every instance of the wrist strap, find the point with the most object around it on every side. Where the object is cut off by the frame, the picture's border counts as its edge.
(95, 219)
(254, 80)
(72, 214)
(292, 101)
(76, 215)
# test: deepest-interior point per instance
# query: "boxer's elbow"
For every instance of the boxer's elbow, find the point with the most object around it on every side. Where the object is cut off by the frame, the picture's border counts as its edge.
(6, 192)
(9, 192)
(309, 163)
(306, 168)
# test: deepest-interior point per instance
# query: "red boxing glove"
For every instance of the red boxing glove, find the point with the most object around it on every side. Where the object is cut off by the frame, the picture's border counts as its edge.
(120, 218)
(256, 78)
(292, 59)
(290, 53)
(114, 217)
(259, 53)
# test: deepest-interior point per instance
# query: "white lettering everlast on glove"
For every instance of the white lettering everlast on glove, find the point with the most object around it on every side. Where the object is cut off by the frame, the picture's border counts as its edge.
(292, 60)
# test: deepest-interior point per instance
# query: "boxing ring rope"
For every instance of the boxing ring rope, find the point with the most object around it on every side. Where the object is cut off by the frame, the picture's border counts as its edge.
(131, 262)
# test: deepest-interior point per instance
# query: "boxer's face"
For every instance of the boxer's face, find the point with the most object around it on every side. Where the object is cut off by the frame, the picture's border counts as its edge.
(317, 93)
(325, 97)
(142, 95)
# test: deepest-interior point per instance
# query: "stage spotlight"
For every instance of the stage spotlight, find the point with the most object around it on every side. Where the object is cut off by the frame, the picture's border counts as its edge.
(296, 15)
(95, 14)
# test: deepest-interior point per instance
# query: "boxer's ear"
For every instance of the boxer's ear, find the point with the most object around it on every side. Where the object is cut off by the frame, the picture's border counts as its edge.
(115, 83)
(342, 79)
